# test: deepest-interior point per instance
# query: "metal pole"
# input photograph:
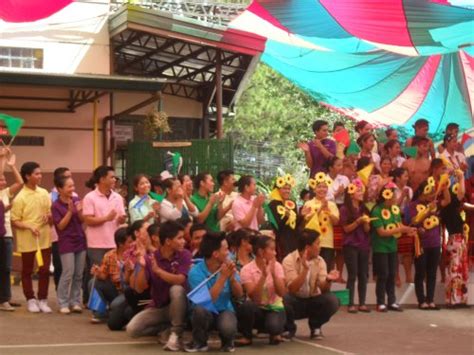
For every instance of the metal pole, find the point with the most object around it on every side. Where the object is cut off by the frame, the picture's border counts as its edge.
(220, 131)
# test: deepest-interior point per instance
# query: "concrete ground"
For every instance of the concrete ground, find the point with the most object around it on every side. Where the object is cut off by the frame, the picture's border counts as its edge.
(410, 332)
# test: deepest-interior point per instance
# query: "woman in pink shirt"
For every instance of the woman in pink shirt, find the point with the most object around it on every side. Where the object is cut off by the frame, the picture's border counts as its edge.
(264, 282)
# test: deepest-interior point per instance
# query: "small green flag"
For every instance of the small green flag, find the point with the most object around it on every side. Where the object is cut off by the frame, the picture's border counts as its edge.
(353, 148)
(270, 216)
(381, 137)
(13, 124)
(410, 151)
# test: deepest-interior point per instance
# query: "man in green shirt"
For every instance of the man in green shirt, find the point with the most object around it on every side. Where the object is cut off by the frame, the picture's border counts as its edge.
(206, 201)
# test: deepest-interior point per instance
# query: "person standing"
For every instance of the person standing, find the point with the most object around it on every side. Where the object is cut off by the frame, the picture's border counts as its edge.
(319, 149)
(31, 217)
(422, 127)
(143, 206)
(226, 181)
(206, 201)
(67, 219)
(247, 208)
(103, 212)
(6, 242)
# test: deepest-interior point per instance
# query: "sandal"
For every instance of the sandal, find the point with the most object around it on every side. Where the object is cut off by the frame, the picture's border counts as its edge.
(382, 308)
(352, 309)
(364, 309)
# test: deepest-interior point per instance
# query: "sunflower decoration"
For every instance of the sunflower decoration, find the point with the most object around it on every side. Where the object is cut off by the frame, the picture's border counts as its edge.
(455, 188)
(287, 209)
(280, 182)
(290, 205)
(420, 208)
(428, 189)
(390, 227)
(324, 229)
(387, 194)
(428, 223)
(320, 177)
(434, 221)
(281, 210)
(324, 219)
(431, 181)
(312, 184)
(395, 210)
(399, 234)
(290, 180)
(351, 189)
(386, 214)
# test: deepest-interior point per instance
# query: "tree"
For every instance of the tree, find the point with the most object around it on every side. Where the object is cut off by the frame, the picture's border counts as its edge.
(274, 111)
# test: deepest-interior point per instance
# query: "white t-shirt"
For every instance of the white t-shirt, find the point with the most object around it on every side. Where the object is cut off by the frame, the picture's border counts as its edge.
(340, 180)
(228, 217)
(5, 196)
(456, 159)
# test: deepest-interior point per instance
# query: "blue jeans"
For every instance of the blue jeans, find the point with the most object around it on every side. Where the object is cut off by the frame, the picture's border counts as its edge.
(202, 321)
(70, 282)
(6, 254)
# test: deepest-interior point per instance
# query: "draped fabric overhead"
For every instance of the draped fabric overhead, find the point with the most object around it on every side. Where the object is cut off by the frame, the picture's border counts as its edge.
(30, 10)
(385, 61)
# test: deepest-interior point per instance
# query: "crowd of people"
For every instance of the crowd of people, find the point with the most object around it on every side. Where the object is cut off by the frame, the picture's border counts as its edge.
(180, 255)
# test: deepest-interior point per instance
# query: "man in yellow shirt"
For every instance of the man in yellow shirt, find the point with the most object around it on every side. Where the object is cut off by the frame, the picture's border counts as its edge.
(31, 218)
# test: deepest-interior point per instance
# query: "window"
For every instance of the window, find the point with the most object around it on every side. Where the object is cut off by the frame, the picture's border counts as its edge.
(13, 57)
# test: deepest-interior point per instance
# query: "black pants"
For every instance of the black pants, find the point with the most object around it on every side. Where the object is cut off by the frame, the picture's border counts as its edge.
(357, 263)
(386, 268)
(58, 269)
(6, 254)
(202, 321)
(250, 317)
(318, 309)
(426, 266)
(328, 255)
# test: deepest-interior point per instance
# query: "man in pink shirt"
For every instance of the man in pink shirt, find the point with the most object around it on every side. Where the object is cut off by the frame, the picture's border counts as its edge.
(247, 208)
(103, 212)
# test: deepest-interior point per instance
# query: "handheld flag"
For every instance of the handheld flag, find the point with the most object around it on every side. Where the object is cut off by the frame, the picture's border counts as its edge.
(465, 138)
(13, 124)
(353, 148)
(38, 255)
(3, 131)
(342, 137)
(270, 216)
(96, 303)
(443, 182)
(410, 151)
(364, 173)
(200, 295)
(141, 202)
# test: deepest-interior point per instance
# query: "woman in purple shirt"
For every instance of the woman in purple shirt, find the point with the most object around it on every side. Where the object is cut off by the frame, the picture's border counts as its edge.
(429, 231)
(67, 218)
(355, 223)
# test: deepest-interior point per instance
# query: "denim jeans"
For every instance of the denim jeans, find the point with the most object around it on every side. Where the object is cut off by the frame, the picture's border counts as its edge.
(94, 257)
(70, 282)
(150, 320)
(251, 317)
(357, 263)
(6, 254)
(318, 309)
(203, 321)
(385, 267)
(120, 313)
(426, 265)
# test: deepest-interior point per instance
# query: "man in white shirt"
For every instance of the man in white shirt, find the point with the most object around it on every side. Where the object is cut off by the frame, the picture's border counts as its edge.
(226, 181)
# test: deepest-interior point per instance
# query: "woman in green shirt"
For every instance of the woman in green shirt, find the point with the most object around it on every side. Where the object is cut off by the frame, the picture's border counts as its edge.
(386, 228)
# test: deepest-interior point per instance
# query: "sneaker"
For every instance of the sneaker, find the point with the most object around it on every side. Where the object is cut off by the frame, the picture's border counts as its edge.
(382, 308)
(395, 307)
(7, 307)
(76, 309)
(316, 334)
(229, 348)
(43, 306)
(173, 343)
(195, 348)
(33, 306)
(64, 310)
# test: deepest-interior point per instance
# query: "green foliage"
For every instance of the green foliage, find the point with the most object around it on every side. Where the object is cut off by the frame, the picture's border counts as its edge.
(278, 114)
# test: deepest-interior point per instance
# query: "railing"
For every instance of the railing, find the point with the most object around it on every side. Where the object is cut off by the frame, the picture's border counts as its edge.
(219, 12)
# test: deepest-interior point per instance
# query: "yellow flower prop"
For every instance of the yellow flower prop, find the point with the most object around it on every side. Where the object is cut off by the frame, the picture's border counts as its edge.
(281, 210)
(280, 182)
(290, 180)
(351, 189)
(290, 205)
(386, 214)
(390, 227)
(329, 181)
(431, 181)
(428, 224)
(312, 184)
(395, 210)
(456, 188)
(387, 194)
(324, 219)
(420, 208)
(320, 177)
(434, 221)
(466, 229)
(428, 189)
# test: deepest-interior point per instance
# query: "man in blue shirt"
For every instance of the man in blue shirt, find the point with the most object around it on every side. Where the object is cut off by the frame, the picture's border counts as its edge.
(222, 287)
